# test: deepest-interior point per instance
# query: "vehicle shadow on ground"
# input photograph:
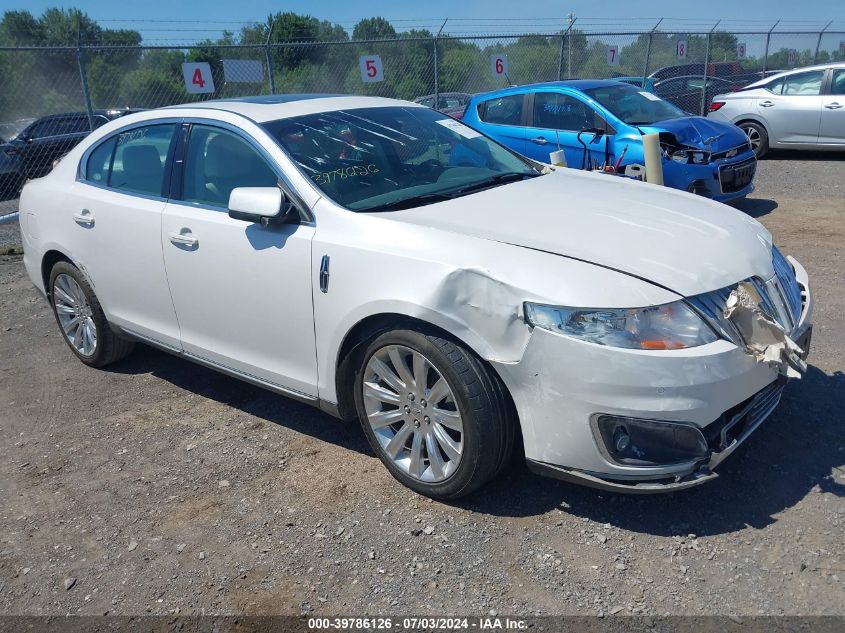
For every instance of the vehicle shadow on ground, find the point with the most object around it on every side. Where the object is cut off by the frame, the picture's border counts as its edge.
(243, 396)
(789, 457)
(755, 207)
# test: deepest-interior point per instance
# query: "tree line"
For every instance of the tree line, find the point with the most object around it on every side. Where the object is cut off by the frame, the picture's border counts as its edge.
(311, 55)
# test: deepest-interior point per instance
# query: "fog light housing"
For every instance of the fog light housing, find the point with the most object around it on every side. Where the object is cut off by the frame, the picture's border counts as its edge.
(648, 443)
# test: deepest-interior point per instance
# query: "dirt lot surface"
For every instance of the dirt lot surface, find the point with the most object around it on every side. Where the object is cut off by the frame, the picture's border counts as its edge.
(158, 485)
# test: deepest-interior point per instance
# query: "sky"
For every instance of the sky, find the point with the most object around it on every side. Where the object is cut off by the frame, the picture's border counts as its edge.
(185, 19)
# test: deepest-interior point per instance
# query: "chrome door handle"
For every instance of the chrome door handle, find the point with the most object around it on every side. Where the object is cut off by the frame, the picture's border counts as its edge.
(84, 217)
(833, 106)
(183, 239)
(767, 104)
(539, 140)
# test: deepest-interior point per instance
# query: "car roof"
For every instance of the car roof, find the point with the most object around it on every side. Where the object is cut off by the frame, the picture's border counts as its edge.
(576, 84)
(271, 107)
(793, 71)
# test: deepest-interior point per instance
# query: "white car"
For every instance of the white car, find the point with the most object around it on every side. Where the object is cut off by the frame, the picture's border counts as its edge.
(384, 262)
(798, 109)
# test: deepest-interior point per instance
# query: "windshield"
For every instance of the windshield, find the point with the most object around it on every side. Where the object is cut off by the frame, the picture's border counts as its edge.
(10, 130)
(634, 106)
(373, 159)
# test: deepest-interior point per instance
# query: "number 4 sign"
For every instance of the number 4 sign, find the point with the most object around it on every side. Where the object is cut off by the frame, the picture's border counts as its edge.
(371, 68)
(198, 79)
(612, 55)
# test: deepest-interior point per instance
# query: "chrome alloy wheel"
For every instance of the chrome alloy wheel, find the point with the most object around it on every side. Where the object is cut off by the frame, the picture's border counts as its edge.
(753, 136)
(75, 315)
(413, 413)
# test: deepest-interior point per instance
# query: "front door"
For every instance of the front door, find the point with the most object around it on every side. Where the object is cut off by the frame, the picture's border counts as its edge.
(832, 128)
(242, 291)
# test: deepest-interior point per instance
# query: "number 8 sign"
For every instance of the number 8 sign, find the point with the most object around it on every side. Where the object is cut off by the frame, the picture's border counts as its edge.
(371, 68)
(682, 49)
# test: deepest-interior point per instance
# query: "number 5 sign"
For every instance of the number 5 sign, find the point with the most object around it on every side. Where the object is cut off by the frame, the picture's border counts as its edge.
(198, 79)
(371, 68)
(681, 49)
(612, 55)
(499, 65)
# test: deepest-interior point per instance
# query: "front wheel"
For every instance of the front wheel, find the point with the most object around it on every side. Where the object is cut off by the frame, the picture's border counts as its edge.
(757, 136)
(435, 415)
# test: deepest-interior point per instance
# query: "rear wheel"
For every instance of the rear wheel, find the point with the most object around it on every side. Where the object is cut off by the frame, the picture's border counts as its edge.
(81, 320)
(433, 413)
(757, 136)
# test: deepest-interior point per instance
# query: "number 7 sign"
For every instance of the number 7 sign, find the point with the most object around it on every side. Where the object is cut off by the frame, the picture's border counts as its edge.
(198, 79)
(371, 68)
(612, 55)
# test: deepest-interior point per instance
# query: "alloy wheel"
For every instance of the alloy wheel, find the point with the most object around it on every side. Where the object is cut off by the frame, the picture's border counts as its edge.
(413, 413)
(753, 137)
(75, 314)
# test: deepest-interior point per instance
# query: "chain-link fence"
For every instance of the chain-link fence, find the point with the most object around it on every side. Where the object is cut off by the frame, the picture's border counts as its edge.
(50, 98)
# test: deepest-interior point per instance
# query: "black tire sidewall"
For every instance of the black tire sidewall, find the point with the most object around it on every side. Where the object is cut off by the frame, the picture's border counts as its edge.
(102, 325)
(470, 470)
(763, 147)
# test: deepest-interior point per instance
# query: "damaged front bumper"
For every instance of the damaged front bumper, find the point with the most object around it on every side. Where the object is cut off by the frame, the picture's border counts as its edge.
(720, 389)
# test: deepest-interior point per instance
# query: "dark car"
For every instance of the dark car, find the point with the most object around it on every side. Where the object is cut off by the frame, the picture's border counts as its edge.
(449, 103)
(33, 151)
(685, 92)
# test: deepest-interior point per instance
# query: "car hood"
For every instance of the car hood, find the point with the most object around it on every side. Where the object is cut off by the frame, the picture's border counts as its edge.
(700, 133)
(682, 242)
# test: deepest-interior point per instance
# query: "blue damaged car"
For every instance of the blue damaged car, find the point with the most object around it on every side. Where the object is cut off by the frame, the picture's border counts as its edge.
(600, 123)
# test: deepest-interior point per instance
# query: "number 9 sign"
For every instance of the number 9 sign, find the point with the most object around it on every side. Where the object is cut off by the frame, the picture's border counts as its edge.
(499, 65)
(371, 68)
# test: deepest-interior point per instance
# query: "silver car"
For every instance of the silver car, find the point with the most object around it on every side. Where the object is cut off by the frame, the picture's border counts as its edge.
(798, 109)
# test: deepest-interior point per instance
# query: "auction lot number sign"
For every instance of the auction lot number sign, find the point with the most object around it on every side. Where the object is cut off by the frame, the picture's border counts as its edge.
(198, 79)
(613, 55)
(371, 68)
(499, 65)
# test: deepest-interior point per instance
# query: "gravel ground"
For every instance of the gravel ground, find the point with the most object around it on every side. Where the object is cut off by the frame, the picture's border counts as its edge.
(157, 485)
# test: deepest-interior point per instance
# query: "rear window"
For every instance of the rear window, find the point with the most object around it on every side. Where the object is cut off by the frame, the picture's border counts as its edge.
(502, 110)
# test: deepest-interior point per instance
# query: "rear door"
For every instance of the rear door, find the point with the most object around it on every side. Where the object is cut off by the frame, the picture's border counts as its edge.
(792, 108)
(504, 119)
(556, 120)
(832, 129)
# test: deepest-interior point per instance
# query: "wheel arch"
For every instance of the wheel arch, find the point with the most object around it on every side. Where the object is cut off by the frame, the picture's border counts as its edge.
(48, 261)
(371, 326)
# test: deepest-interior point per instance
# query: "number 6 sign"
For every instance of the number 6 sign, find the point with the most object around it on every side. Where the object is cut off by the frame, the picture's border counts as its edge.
(499, 65)
(371, 68)
(198, 79)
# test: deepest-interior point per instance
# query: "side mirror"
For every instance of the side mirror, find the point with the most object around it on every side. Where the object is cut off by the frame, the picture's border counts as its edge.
(262, 205)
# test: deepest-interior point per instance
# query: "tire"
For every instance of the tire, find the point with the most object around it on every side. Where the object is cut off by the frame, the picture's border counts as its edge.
(73, 297)
(450, 462)
(757, 136)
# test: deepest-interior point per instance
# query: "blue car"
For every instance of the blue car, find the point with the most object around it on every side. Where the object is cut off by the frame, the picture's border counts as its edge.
(602, 122)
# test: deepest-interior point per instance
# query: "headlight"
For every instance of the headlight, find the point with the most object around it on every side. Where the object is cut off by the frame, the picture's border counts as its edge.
(687, 156)
(669, 326)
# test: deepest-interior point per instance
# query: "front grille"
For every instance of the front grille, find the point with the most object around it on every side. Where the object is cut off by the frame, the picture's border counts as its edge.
(730, 153)
(737, 422)
(733, 178)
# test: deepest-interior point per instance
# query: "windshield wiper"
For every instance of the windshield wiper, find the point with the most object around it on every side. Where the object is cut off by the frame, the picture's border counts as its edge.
(493, 181)
(410, 202)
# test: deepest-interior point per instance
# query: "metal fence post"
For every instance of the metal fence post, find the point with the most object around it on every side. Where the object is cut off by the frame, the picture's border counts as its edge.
(436, 68)
(648, 51)
(766, 55)
(84, 80)
(560, 56)
(706, 64)
(572, 20)
(819, 42)
(268, 58)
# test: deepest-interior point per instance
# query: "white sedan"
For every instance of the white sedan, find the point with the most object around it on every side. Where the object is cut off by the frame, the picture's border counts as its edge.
(385, 262)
